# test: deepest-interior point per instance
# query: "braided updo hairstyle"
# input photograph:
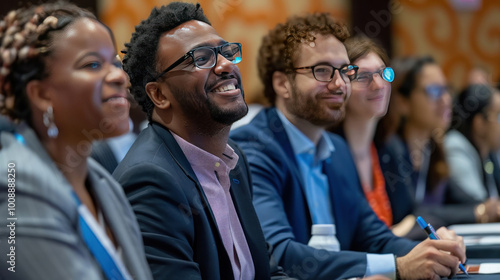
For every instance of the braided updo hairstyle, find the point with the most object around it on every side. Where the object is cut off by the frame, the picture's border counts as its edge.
(26, 40)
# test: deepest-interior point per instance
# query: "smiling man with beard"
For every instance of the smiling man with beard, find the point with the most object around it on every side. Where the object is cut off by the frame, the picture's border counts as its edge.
(188, 185)
(303, 175)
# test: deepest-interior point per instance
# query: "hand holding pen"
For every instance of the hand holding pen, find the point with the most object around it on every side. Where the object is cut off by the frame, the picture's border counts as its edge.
(434, 236)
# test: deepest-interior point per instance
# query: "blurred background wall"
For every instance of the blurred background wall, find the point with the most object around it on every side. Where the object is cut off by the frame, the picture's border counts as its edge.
(460, 34)
(244, 21)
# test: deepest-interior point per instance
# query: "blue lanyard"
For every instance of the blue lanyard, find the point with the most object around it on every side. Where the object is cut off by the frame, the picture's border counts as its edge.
(99, 245)
(19, 138)
(95, 238)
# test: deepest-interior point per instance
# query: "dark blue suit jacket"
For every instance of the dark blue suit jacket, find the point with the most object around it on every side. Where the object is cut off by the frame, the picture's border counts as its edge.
(280, 202)
(180, 233)
(398, 171)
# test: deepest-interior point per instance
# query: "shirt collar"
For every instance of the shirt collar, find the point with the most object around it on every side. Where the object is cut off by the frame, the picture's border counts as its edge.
(200, 158)
(303, 145)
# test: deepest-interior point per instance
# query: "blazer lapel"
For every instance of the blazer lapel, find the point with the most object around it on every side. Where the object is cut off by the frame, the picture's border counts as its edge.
(178, 155)
(279, 133)
(249, 222)
(336, 189)
(113, 211)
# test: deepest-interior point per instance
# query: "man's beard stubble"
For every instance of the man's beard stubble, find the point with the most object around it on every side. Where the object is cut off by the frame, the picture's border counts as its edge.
(204, 111)
(310, 108)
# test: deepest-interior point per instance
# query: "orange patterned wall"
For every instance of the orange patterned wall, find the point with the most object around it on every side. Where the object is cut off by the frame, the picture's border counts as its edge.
(235, 20)
(458, 40)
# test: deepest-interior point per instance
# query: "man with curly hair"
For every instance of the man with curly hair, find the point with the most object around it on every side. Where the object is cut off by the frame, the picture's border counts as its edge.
(188, 185)
(303, 175)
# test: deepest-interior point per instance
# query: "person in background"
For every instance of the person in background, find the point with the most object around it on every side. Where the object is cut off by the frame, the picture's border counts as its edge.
(109, 152)
(303, 175)
(413, 158)
(475, 134)
(370, 95)
(62, 85)
(479, 75)
(188, 184)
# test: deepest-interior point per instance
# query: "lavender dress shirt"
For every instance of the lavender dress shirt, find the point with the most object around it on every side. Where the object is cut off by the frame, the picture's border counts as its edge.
(213, 174)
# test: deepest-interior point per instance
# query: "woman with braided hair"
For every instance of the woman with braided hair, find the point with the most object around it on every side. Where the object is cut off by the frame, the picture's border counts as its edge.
(62, 87)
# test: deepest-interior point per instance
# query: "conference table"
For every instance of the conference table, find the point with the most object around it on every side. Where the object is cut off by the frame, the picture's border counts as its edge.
(479, 276)
(483, 246)
(482, 240)
(483, 251)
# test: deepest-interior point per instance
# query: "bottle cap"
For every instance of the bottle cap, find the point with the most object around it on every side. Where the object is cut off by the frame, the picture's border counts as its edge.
(323, 229)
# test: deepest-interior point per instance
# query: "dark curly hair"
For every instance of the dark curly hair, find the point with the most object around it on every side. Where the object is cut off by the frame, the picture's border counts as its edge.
(140, 54)
(26, 40)
(281, 45)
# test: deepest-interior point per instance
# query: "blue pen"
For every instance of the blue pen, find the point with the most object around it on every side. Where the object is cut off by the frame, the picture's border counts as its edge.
(433, 235)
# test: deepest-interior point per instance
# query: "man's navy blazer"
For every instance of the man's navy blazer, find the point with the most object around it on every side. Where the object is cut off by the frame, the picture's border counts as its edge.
(180, 232)
(280, 202)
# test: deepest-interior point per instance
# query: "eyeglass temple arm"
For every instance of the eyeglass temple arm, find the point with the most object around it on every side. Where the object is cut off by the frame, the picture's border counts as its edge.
(179, 61)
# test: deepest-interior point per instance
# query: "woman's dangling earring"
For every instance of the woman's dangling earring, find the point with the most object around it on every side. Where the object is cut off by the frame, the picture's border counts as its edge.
(48, 121)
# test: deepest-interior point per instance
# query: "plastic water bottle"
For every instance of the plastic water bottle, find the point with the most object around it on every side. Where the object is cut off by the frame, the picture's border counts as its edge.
(323, 237)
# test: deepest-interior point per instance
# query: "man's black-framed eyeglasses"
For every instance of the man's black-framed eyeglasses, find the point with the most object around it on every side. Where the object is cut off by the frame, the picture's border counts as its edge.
(206, 57)
(325, 72)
